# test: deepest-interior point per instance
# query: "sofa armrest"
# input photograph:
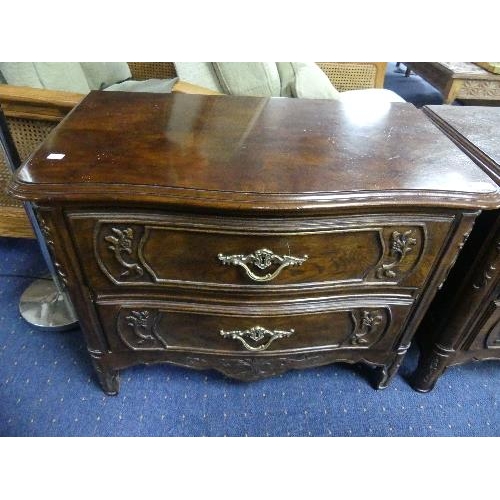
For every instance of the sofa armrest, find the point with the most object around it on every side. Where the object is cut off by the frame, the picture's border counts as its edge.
(190, 88)
(38, 104)
(343, 75)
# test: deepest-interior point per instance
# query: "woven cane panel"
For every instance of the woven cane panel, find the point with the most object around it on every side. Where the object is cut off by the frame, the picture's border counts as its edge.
(27, 135)
(5, 199)
(350, 76)
(147, 70)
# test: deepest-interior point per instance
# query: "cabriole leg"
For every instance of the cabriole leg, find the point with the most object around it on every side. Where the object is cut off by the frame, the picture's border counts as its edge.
(108, 377)
(386, 373)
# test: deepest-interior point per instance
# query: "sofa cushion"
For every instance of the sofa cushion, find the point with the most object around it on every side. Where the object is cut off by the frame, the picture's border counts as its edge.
(198, 73)
(307, 81)
(103, 74)
(68, 76)
(153, 85)
(249, 78)
(21, 74)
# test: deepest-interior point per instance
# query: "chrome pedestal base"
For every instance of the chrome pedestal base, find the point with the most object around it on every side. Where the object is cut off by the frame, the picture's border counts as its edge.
(46, 308)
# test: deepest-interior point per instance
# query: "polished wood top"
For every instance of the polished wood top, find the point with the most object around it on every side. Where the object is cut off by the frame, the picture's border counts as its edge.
(476, 129)
(250, 153)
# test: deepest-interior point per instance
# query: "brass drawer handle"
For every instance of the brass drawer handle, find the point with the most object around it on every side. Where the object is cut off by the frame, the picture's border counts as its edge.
(257, 334)
(262, 259)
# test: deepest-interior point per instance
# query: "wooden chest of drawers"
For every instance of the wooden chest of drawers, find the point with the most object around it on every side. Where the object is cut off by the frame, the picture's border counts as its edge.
(250, 235)
(463, 324)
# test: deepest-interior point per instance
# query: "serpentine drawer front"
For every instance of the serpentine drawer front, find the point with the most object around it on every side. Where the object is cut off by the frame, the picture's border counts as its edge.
(250, 235)
(237, 329)
(235, 254)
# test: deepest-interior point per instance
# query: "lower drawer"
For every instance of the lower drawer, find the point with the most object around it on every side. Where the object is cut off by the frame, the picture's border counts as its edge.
(254, 329)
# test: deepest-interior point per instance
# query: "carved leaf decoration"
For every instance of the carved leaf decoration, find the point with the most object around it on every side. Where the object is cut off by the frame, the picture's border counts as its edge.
(368, 327)
(401, 245)
(122, 243)
(47, 233)
(142, 333)
(139, 321)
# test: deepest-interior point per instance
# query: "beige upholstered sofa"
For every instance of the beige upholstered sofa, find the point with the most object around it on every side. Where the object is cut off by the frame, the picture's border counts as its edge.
(33, 112)
(343, 75)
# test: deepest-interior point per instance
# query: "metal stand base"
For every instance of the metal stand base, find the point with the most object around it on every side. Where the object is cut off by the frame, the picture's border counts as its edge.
(46, 308)
(44, 304)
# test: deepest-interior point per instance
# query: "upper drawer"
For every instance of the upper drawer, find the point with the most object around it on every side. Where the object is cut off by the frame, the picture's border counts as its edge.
(123, 249)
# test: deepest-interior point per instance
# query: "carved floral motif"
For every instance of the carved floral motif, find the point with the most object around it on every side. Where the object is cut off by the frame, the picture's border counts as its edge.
(258, 367)
(366, 323)
(480, 89)
(401, 245)
(144, 334)
(47, 233)
(122, 243)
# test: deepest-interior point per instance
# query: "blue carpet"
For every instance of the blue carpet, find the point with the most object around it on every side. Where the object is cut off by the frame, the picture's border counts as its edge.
(413, 89)
(47, 388)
